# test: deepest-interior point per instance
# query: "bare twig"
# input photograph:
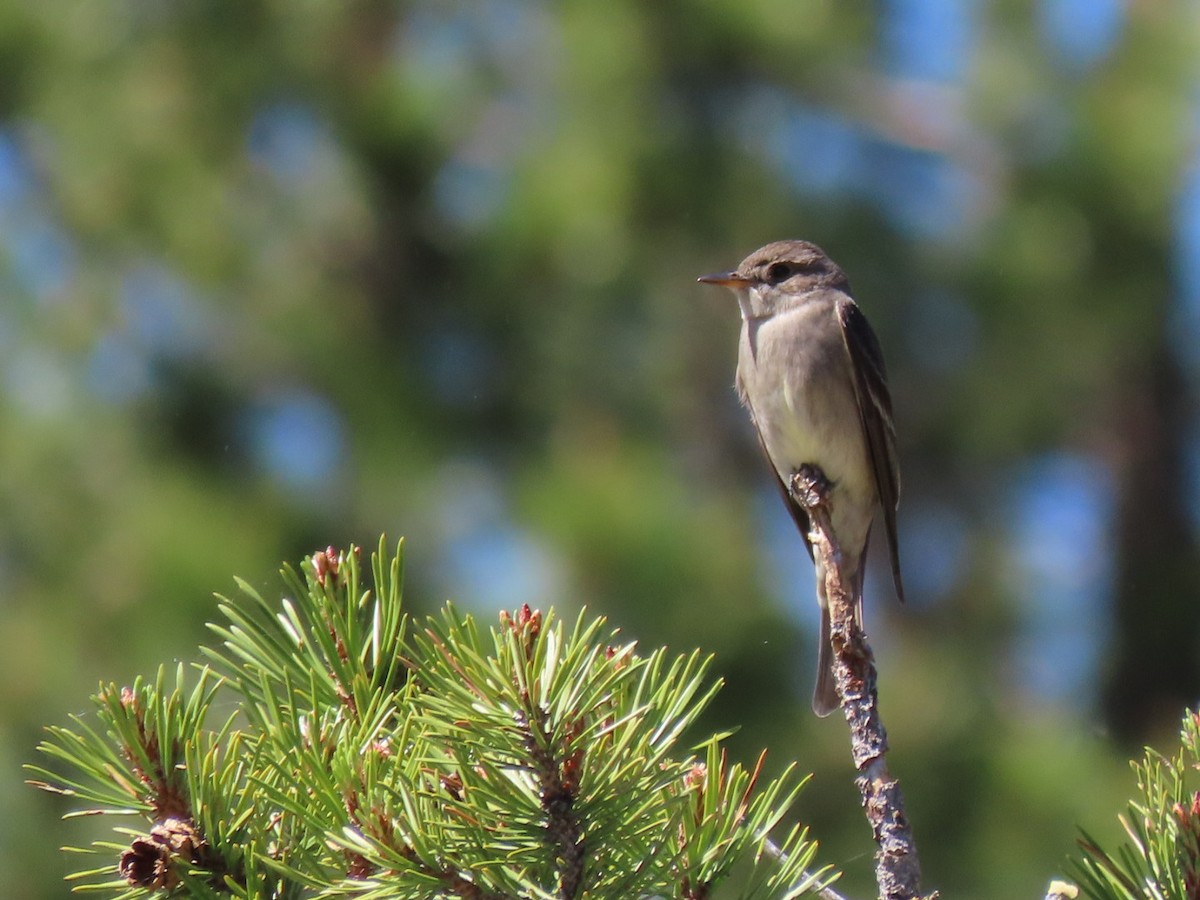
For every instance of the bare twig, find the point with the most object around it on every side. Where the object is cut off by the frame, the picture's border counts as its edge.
(897, 870)
(773, 851)
(1061, 890)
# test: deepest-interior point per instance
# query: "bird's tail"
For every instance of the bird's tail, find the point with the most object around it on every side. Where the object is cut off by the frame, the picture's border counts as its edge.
(825, 698)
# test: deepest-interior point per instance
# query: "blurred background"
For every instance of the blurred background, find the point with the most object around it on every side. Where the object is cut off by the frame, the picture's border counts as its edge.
(277, 275)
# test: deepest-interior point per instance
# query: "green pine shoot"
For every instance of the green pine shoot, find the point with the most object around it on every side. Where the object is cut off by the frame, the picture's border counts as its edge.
(1161, 859)
(333, 746)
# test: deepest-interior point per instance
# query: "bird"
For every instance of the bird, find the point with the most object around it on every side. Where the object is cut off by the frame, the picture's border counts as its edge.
(811, 374)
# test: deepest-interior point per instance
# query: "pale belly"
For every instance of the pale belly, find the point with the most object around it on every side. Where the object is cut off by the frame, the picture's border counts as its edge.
(805, 409)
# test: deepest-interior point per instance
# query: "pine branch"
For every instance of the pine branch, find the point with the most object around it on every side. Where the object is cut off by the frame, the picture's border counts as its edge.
(1161, 857)
(361, 754)
(897, 869)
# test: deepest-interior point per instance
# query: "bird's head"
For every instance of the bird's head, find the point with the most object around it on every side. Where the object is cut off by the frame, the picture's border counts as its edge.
(778, 276)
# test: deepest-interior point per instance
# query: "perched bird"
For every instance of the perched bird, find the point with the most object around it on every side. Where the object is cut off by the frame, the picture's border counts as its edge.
(811, 375)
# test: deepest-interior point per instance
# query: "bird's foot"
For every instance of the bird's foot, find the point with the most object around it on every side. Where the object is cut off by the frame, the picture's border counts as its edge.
(810, 487)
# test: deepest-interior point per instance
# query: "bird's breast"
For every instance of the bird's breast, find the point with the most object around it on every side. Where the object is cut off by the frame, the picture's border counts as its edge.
(795, 376)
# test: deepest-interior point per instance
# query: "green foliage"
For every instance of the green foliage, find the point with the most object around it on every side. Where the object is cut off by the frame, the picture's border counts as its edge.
(1161, 858)
(333, 746)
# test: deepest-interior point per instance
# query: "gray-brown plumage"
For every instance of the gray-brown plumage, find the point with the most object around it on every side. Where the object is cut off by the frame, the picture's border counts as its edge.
(811, 374)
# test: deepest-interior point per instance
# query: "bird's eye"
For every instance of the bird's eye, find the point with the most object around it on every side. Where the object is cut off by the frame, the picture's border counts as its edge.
(779, 272)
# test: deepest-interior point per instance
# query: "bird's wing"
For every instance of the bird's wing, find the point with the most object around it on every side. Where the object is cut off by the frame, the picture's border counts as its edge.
(875, 414)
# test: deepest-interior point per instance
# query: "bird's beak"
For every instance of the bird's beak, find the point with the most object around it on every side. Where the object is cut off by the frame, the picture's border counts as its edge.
(725, 279)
